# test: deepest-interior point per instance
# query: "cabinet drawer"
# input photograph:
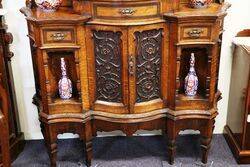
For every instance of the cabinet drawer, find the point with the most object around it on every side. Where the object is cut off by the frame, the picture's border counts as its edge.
(195, 33)
(126, 10)
(58, 35)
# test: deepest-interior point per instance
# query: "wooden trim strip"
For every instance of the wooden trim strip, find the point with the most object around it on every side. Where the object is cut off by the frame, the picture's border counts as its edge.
(195, 43)
(60, 47)
(127, 118)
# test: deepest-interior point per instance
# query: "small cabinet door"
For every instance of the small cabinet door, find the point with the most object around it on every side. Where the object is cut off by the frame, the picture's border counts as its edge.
(147, 61)
(107, 68)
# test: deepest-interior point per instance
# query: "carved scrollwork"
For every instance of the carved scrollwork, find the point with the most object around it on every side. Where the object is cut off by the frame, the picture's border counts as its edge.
(8, 37)
(30, 4)
(32, 43)
(108, 65)
(217, 97)
(148, 65)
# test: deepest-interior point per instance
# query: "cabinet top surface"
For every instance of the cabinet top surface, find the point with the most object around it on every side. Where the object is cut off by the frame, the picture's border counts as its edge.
(214, 10)
(69, 16)
(65, 16)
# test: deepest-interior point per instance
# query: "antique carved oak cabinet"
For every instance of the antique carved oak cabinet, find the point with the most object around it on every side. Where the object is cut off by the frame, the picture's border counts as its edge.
(127, 60)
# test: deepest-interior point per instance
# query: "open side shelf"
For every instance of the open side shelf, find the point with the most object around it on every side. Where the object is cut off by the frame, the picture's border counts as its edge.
(52, 64)
(202, 68)
(55, 72)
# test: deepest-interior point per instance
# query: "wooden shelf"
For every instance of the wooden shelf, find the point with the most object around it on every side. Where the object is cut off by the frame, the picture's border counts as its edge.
(60, 106)
(202, 66)
(59, 101)
(198, 102)
(184, 97)
(53, 68)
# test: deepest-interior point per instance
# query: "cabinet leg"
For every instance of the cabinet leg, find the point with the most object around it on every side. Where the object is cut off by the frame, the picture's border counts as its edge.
(171, 134)
(205, 146)
(206, 138)
(171, 151)
(53, 154)
(89, 154)
(50, 141)
(88, 143)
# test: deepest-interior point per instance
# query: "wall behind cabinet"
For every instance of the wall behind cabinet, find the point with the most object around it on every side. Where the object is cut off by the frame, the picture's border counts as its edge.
(237, 19)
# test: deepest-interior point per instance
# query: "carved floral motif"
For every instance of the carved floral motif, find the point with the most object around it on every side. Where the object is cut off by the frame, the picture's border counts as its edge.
(108, 66)
(148, 63)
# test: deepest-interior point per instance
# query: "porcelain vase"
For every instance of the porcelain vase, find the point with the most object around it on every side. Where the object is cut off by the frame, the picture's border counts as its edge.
(64, 84)
(191, 80)
(199, 3)
(48, 5)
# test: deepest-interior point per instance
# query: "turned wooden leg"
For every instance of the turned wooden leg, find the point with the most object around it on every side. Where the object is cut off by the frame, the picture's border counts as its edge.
(171, 151)
(88, 143)
(50, 141)
(89, 153)
(206, 139)
(205, 146)
(171, 134)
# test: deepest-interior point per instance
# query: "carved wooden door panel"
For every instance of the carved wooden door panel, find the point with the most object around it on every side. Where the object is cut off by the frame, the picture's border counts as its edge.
(107, 68)
(147, 67)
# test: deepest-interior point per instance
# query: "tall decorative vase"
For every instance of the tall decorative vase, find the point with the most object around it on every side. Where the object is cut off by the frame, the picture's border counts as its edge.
(191, 80)
(64, 84)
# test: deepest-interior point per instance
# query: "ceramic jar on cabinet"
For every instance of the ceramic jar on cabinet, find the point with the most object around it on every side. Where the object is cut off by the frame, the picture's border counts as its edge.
(48, 5)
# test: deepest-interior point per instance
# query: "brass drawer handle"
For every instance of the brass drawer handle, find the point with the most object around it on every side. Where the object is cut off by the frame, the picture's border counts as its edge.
(131, 65)
(127, 11)
(195, 33)
(58, 36)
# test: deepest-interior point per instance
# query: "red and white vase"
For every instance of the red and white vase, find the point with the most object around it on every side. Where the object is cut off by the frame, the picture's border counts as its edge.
(64, 84)
(191, 80)
(199, 3)
(48, 5)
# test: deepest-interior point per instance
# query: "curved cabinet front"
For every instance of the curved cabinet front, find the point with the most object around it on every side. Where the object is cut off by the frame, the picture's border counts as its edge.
(147, 84)
(107, 68)
(127, 68)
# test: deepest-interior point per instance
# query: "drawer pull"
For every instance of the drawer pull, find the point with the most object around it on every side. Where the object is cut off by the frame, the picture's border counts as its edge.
(131, 65)
(127, 12)
(58, 36)
(195, 33)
